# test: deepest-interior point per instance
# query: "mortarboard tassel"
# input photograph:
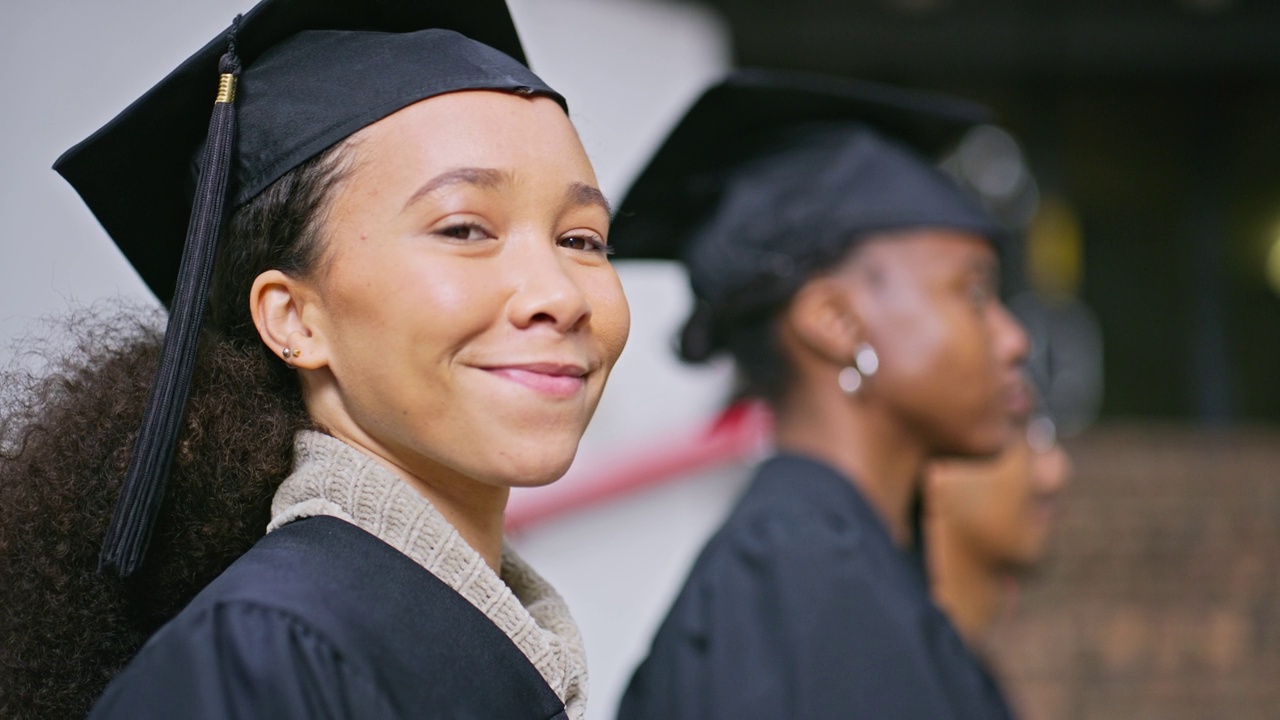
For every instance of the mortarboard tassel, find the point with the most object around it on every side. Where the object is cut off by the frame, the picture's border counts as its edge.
(142, 494)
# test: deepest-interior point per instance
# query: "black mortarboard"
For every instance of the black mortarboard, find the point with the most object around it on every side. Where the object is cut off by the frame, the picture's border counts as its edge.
(135, 173)
(291, 78)
(771, 175)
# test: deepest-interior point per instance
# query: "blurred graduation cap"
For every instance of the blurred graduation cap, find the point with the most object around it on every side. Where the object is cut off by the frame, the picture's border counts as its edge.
(291, 78)
(772, 174)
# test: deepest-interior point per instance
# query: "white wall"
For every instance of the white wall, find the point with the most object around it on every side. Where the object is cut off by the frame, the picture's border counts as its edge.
(628, 68)
(67, 67)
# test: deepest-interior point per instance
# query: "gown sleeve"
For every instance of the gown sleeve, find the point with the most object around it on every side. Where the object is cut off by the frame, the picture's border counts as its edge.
(785, 619)
(241, 660)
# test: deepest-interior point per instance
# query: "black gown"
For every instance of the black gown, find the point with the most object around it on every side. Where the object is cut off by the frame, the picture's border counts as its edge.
(323, 620)
(801, 606)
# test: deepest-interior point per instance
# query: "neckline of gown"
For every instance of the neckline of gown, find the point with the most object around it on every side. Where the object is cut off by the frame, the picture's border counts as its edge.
(783, 470)
(331, 478)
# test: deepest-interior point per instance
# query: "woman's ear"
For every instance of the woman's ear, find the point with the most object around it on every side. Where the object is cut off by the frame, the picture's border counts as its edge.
(286, 314)
(823, 317)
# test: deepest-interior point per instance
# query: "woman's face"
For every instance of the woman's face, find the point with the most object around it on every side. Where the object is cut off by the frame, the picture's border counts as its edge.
(999, 511)
(465, 307)
(950, 353)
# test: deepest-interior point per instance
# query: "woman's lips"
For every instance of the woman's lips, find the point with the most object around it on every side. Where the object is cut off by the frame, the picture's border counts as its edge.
(552, 379)
(1018, 400)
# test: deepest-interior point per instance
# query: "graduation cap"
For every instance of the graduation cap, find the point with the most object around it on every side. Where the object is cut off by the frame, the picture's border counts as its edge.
(772, 175)
(291, 78)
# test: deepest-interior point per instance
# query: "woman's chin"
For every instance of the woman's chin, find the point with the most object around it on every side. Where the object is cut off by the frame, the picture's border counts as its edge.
(540, 475)
(980, 443)
(535, 467)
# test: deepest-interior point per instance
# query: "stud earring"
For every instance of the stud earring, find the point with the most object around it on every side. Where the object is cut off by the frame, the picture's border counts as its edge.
(865, 364)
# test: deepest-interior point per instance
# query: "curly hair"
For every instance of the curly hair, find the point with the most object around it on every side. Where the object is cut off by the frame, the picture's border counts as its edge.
(66, 434)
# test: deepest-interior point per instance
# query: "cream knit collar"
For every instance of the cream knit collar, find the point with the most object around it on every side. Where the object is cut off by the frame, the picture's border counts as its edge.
(332, 478)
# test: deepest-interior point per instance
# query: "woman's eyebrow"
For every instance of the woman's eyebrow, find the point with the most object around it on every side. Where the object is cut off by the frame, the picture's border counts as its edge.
(580, 194)
(482, 177)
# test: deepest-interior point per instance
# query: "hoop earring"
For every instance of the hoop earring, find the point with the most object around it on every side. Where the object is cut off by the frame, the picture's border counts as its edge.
(865, 364)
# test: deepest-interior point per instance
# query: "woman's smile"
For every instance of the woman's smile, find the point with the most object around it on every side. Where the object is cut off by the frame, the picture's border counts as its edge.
(554, 379)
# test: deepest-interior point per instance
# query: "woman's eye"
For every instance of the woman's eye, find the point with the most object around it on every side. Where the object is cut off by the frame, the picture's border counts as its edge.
(980, 294)
(465, 231)
(588, 243)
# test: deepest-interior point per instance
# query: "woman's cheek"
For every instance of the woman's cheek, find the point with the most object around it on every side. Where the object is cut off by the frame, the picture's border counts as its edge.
(611, 318)
(456, 293)
(616, 332)
(968, 342)
(916, 346)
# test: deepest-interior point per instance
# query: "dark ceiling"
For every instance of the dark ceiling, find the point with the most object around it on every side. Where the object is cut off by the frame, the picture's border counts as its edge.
(956, 40)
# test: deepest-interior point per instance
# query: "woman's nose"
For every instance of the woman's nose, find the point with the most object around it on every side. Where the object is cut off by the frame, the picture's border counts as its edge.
(1055, 469)
(545, 291)
(1012, 341)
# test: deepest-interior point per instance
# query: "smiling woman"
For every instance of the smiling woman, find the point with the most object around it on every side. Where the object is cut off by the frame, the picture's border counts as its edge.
(463, 327)
(410, 312)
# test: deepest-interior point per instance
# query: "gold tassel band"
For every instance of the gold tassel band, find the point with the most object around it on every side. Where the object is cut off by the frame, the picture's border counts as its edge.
(226, 88)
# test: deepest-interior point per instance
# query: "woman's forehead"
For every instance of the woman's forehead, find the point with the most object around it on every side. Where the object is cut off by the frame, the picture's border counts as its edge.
(481, 129)
(925, 251)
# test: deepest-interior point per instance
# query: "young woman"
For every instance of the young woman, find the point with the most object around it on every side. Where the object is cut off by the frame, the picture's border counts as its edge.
(987, 523)
(855, 288)
(411, 311)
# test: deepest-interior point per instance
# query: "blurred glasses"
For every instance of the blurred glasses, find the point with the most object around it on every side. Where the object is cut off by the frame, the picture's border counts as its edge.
(1042, 433)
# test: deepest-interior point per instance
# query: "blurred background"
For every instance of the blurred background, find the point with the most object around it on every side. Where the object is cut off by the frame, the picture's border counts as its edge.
(1136, 147)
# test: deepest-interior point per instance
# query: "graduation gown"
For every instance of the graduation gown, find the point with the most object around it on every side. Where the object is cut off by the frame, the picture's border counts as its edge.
(323, 620)
(801, 606)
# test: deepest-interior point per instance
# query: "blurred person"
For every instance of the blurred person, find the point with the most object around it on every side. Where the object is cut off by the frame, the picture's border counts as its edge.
(986, 524)
(854, 286)
(411, 311)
